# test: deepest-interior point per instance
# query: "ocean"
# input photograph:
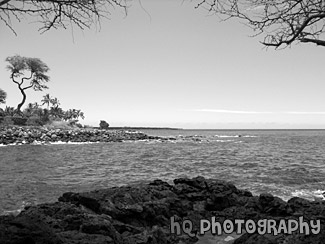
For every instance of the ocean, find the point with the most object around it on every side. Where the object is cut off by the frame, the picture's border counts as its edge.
(285, 163)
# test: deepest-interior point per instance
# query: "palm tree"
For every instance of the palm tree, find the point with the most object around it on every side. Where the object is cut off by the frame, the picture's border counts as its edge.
(28, 111)
(46, 100)
(73, 114)
(9, 111)
(31, 109)
(57, 112)
(55, 102)
(3, 96)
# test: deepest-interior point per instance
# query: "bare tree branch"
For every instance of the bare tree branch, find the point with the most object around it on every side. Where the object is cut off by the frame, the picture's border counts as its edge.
(4, 2)
(282, 22)
(318, 42)
(58, 13)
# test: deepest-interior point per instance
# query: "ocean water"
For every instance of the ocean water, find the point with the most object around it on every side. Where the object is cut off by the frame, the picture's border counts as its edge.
(285, 163)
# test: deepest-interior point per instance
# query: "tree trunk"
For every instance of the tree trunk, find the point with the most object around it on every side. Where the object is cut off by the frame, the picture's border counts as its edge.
(24, 99)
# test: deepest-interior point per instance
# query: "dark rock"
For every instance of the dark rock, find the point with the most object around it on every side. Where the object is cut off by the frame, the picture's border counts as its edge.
(198, 182)
(257, 239)
(142, 214)
(25, 230)
(273, 205)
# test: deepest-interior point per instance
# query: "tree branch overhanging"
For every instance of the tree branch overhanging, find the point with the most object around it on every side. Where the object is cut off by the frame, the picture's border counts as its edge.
(318, 42)
(281, 22)
(52, 14)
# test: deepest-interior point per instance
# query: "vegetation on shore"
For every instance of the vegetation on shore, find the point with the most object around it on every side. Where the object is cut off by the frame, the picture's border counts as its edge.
(29, 73)
(34, 114)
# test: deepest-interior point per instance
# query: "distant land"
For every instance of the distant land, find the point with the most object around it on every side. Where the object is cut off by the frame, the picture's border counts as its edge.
(171, 128)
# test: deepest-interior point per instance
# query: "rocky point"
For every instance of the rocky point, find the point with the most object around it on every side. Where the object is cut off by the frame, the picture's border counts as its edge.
(143, 214)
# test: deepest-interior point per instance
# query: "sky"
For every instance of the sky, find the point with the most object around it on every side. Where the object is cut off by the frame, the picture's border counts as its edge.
(171, 65)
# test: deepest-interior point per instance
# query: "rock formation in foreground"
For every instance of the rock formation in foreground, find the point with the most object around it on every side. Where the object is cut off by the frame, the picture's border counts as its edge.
(143, 214)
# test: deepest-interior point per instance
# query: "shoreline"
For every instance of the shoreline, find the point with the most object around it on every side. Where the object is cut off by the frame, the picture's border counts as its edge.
(18, 135)
(144, 213)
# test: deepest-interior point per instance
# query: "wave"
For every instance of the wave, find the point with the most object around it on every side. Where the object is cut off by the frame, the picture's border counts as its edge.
(69, 142)
(310, 195)
(15, 212)
(234, 136)
(42, 143)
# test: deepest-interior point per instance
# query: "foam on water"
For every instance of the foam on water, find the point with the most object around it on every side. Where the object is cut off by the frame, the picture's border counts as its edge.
(228, 136)
(42, 143)
(71, 143)
(310, 195)
(16, 211)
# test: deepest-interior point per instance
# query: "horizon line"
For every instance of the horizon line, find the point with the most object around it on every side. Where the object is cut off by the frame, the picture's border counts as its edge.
(256, 112)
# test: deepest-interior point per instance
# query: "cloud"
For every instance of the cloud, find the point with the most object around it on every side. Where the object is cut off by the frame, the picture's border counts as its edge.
(229, 111)
(316, 113)
(257, 112)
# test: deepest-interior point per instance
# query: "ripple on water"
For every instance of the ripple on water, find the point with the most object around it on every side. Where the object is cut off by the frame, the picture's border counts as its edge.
(275, 163)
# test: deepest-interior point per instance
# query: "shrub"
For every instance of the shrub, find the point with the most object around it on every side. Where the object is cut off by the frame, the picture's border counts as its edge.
(103, 124)
(34, 120)
(7, 120)
(88, 126)
(20, 121)
(58, 125)
(78, 125)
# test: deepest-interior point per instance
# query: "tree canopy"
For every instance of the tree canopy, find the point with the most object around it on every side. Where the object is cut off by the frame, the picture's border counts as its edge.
(27, 69)
(281, 22)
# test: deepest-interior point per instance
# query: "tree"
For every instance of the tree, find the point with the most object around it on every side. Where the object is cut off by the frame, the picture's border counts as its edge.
(281, 22)
(9, 111)
(46, 100)
(58, 14)
(57, 112)
(3, 96)
(103, 125)
(32, 108)
(27, 69)
(73, 114)
(55, 102)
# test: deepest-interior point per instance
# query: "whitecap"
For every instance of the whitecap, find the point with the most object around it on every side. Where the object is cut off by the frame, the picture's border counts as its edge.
(15, 212)
(309, 195)
(70, 143)
(227, 136)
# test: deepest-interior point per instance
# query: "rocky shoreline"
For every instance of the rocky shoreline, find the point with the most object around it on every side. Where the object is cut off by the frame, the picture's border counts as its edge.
(37, 135)
(147, 213)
